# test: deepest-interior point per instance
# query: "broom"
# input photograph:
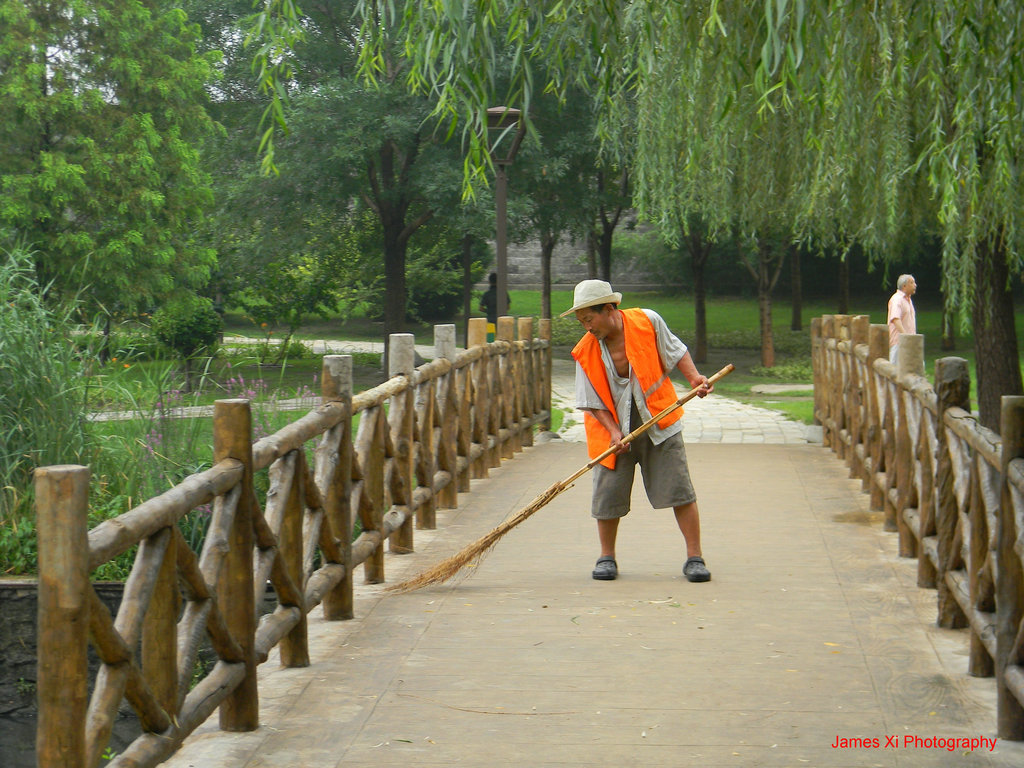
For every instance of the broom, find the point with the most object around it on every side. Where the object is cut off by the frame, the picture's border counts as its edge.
(452, 565)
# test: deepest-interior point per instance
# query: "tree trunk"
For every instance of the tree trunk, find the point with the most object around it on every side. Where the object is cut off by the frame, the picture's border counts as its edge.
(395, 293)
(547, 247)
(604, 247)
(764, 308)
(609, 219)
(391, 204)
(796, 322)
(105, 346)
(699, 249)
(592, 254)
(844, 285)
(770, 261)
(997, 360)
(700, 349)
(948, 329)
(467, 283)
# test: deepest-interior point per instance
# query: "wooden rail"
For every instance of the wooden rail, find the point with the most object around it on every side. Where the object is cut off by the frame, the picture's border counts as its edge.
(418, 440)
(952, 489)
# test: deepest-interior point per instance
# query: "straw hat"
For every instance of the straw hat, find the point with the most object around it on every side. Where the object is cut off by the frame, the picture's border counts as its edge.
(589, 293)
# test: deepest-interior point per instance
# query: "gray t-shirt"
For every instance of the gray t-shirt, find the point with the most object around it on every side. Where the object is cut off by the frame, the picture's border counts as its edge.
(626, 390)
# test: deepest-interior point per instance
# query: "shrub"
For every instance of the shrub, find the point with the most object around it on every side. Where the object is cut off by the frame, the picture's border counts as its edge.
(189, 325)
(434, 278)
(794, 371)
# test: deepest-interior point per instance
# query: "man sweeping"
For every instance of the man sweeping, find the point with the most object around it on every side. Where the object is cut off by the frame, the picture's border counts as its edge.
(623, 364)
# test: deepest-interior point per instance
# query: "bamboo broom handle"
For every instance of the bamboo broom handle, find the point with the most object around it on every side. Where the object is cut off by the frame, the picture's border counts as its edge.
(648, 424)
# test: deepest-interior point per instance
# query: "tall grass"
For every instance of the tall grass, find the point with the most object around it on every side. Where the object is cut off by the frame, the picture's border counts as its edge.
(41, 396)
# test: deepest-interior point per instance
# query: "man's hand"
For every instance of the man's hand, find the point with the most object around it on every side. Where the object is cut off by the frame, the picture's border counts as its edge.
(697, 381)
(617, 443)
(609, 423)
(702, 384)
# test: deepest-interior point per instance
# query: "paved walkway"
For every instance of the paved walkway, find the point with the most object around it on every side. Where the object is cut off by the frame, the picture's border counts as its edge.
(810, 643)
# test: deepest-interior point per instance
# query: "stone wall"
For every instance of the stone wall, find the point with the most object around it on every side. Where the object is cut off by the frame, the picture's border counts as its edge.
(568, 267)
(18, 605)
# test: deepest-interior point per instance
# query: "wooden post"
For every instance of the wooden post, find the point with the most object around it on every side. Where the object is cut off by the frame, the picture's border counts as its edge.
(910, 363)
(159, 630)
(545, 379)
(878, 347)
(1009, 577)
(910, 360)
(463, 383)
(336, 386)
(841, 371)
(477, 335)
(481, 402)
(828, 372)
(401, 419)
(953, 390)
(371, 446)
(857, 397)
(294, 647)
(980, 586)
(62, 503)
(447, 410)
(859, 326)
(232, 439)
(527, 386)
(504, 382)
(817, 368)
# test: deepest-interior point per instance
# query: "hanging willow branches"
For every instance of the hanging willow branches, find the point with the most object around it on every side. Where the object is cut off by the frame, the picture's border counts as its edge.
(878, 122)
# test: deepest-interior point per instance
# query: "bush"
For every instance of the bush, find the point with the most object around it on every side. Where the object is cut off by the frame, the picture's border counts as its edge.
(434, 279)
(188, 324)
(565, 331)
(795, 371)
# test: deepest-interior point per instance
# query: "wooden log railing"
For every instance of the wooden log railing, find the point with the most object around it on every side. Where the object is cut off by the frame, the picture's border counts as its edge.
(951, 489)
(418, 439)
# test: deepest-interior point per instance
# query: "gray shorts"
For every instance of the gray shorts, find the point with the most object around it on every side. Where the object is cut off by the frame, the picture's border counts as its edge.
(666, 478)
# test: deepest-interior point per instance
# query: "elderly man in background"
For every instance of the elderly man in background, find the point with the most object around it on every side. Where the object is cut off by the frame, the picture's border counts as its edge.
(901, 313)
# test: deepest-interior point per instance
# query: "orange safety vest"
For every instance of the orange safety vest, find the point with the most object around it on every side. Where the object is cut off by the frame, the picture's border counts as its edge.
(643, 357)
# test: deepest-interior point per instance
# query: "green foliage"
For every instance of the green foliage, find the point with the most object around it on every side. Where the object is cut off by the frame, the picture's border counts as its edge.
(360, 154)
(285, 292)
(40, 398)
(99, 166)
(434, 277)
(792, 371)
(187, 323)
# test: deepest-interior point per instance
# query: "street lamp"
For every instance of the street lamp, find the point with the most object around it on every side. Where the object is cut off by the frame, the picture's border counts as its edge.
(501, 121)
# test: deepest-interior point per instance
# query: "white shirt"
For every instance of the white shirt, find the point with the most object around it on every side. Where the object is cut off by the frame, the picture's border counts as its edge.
(626, 389)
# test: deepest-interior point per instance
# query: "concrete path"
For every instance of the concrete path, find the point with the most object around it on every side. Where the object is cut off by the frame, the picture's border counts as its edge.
(811, 632)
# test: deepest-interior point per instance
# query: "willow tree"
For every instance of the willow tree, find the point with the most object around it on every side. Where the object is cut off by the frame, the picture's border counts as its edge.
(909, 114)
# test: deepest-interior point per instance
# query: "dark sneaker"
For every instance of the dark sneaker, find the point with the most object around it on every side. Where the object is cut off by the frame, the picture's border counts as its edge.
(695, 570)
(605, 569)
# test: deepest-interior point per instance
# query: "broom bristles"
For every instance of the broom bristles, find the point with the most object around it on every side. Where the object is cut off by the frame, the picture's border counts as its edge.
(473, 552)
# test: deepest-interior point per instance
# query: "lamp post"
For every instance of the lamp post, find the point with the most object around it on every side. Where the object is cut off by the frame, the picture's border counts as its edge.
(501, 120)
